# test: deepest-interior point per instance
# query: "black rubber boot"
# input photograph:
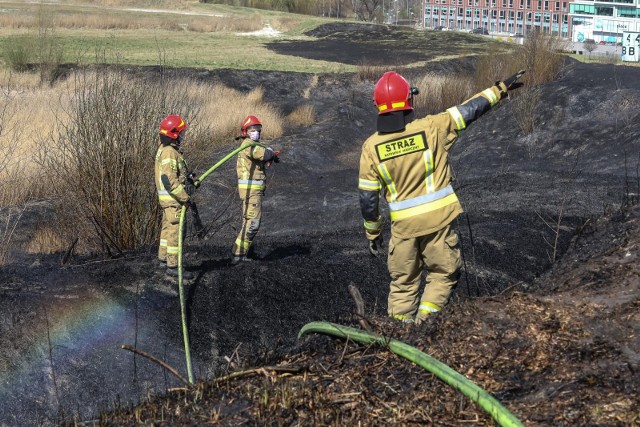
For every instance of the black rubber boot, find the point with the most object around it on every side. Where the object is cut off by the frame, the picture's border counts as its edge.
(237, 259)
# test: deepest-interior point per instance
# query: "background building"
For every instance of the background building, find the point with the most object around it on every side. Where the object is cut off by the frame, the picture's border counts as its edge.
(499, 16)
(603, 21)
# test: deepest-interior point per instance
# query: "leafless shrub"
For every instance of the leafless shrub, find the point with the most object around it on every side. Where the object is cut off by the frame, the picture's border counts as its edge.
(101, 161)
(524, 109)
(303, 115)
(555, 223)
(628, 109)
(589, 45)
(540, 56)
(49, 48)
(40, 48)
(10, 218)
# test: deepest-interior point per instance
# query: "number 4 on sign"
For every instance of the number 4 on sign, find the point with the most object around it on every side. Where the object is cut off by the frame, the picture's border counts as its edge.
(637, 39)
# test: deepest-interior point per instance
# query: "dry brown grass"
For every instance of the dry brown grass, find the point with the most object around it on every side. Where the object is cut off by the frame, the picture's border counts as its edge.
(119, 19)
(437, 93)
(370, 72)
(47, 239)
(223, 108)
(302, 115)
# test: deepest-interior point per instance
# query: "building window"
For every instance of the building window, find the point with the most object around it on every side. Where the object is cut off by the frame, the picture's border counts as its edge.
(546, 4)
(585, 9)
(604, 11)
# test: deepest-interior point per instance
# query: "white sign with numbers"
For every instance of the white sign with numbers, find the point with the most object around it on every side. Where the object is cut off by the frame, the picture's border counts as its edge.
(630, 46)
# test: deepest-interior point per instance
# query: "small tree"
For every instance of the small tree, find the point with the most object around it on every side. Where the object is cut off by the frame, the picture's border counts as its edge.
(590, 45)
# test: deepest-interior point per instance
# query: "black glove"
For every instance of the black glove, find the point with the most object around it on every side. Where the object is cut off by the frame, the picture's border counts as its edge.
(274, 159)
(375, 246)
(192, 184)
(187, 204)
(510, 82)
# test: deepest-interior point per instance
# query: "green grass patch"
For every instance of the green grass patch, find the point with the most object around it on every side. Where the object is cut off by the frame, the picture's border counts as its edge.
(194, 35)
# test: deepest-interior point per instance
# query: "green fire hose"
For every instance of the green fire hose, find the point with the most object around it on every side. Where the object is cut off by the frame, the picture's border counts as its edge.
(185, 332)
(487, 402)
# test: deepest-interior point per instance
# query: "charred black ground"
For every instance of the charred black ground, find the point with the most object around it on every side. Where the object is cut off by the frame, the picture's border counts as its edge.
(557, 343)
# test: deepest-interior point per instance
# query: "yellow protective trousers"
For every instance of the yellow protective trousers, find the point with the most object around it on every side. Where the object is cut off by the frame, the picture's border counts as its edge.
(168, 249)
(439, 254)
(251, 215)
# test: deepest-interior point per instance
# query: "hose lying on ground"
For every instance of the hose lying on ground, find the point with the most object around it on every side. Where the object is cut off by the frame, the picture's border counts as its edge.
(487, 402)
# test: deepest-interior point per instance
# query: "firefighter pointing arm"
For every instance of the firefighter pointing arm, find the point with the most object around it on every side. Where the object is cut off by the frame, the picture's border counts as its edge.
(408, 159)
(252, 182)
(170, 178)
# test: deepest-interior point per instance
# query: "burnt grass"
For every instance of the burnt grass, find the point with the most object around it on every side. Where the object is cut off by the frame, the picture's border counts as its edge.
(555, 340)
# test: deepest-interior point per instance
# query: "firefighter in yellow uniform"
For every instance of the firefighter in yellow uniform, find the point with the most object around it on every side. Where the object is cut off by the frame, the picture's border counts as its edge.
(170, 178)
(407, 159)
(252, 183)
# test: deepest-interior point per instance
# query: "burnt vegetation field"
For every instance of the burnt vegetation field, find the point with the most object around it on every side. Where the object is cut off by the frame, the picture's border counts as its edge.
(546, 317)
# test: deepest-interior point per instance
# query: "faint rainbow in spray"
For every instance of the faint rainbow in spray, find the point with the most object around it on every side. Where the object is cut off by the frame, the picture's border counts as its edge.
(79, 324)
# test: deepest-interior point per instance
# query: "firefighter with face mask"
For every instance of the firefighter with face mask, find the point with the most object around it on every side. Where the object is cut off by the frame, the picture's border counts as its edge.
(250, 168)
(407, 160)
(170, 178)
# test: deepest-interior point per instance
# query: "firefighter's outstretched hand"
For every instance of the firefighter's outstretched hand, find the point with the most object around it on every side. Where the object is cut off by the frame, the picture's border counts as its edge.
(275, 158)
(187, 204)
(375, 246)
(511, 82)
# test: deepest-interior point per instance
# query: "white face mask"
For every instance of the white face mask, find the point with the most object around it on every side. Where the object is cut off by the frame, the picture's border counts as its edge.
(254, 135)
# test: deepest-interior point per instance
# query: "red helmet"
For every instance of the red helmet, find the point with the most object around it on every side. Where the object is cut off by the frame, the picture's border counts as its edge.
(172, 126)
(250, 122)
(392, 93)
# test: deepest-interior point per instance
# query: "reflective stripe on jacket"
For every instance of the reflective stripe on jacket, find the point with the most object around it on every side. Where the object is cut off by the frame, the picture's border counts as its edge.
(170, 176)
(412, 167)
(250, 168)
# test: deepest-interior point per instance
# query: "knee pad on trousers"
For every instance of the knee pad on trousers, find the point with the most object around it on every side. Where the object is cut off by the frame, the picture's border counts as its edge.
(254, 226)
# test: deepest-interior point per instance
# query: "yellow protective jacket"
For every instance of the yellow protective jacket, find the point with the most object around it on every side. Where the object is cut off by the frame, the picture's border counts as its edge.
(412, 169)
(170, 176)
(250, 168)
